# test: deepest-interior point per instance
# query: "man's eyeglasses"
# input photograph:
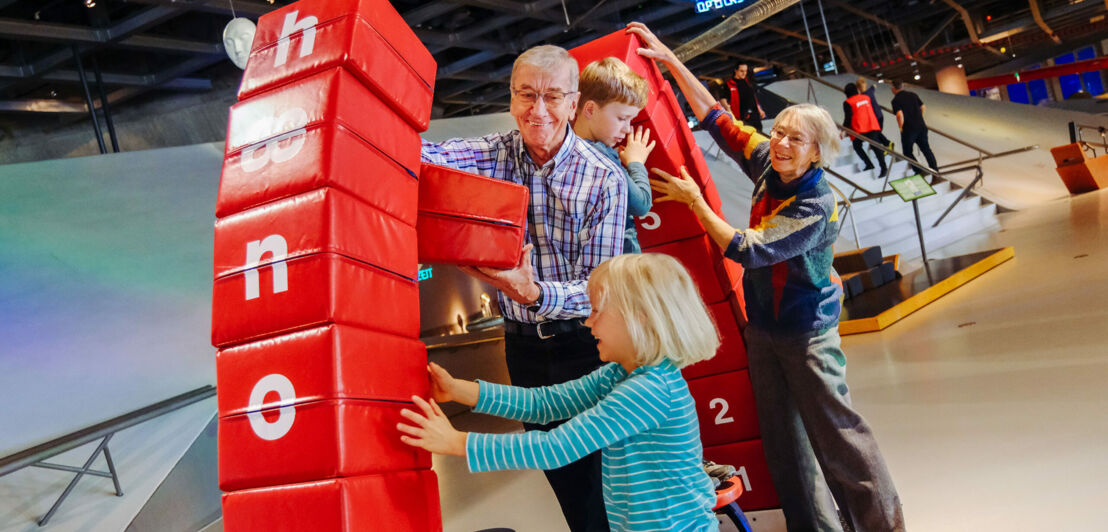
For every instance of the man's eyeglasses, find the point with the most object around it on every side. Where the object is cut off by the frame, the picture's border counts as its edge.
(779, 134)
(551, 98)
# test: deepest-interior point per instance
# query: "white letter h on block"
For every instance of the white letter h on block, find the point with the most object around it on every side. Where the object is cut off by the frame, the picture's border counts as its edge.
(307, 43)
(276, 245)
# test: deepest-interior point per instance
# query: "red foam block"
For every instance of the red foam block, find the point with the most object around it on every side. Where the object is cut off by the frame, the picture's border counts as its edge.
(310, 291)
(749, 459)
(368, 38)
(705, 263)
(329, 362)
(667, 221)
(469, 219)
(314, 440)
(329, 97)
(731, 355)
(725, 408)
(401, 501)
(444, 190)
(322, 220)
(323, 155)
(468, 242)
(377, 13)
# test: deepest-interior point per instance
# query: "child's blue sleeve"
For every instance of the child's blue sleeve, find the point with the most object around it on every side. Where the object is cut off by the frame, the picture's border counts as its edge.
(547, 403)
(638, 190)
(635, 406)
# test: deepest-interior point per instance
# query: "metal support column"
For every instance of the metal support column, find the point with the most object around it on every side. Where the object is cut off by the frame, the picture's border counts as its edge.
(88, 99)
(830, 46)
(811, 47)
(104, 103)
(919, 231)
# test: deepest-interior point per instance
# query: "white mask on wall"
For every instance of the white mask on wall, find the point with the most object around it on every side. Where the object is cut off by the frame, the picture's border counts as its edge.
(237, 38)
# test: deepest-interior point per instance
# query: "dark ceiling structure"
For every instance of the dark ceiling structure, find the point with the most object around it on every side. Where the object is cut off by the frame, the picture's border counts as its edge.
(167, 46)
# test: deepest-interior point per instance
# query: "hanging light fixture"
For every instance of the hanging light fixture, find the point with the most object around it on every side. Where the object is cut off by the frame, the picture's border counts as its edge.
(90, 3)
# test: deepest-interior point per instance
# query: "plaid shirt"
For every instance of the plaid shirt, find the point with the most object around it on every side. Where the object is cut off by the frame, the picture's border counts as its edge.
(575, 219)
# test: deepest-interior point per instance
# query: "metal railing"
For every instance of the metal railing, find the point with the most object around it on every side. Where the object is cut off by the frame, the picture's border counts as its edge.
(1075, 136)
(36, 456)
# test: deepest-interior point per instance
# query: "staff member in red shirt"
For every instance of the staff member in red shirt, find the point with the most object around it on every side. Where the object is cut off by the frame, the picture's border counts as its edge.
(744, 104)
(858, 115)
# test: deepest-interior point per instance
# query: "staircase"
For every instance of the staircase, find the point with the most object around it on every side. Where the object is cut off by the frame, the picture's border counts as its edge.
(889, 222)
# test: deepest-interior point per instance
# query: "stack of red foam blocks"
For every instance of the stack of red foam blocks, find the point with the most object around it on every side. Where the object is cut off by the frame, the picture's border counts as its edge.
(315, 303)
(720, 386)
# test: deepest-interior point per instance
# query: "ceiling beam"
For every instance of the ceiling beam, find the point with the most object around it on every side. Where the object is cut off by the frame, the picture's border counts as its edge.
(1037, 14)
(471, 61)
(900, 40)
(254, 8)
(838, 49)
(967, 20)
(428, 11)
(731, 26)
(935, 32)
(144, 20)
(41, 106)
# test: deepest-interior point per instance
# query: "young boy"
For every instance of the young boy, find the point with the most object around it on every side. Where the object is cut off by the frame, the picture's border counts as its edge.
(611, 96)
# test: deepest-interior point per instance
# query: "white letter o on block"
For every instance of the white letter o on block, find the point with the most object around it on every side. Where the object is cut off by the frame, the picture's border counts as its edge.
(274, 382)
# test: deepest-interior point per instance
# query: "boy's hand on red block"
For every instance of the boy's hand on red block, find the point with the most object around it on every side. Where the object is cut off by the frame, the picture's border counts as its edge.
(638, 147)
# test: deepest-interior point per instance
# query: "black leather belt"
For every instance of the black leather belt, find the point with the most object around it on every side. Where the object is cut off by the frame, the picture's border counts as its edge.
(544, 329)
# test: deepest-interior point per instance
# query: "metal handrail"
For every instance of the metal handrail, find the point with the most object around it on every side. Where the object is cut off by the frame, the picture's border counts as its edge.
(846, 210)
(37, 455)
(868, 195)
(995, 155)
(1075, 134)
(988, 154)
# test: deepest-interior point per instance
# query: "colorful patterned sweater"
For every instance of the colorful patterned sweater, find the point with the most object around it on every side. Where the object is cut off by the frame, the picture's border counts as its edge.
(789, 284)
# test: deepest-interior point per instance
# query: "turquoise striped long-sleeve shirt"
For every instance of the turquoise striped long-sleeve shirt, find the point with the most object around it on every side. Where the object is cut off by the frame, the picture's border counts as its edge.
(643, 422)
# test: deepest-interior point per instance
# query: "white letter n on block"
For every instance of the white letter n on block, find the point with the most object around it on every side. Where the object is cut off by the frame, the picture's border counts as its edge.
(307, 42)
(255, 250)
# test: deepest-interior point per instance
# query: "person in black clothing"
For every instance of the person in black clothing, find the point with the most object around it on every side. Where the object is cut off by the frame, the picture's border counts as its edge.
(744, 104)
(909, 111)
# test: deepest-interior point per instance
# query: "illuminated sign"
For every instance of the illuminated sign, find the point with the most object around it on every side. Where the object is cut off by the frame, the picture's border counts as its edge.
(424, 274)
(708, 5)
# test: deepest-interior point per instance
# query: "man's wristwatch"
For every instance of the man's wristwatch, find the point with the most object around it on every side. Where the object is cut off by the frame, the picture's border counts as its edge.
(534, 307)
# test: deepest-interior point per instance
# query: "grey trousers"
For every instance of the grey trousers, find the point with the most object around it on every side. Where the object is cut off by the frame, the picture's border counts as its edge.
(817, 447)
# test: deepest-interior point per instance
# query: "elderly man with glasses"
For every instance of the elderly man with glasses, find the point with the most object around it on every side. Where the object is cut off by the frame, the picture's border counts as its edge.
(574, 222)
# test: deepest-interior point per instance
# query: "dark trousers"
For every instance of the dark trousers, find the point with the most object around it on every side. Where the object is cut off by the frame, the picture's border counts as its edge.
(908, 137)
(533, 362)
(878, 137)
(818, 448)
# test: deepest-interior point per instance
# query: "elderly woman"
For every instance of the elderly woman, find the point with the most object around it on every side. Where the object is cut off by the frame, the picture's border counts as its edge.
(809, 429)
